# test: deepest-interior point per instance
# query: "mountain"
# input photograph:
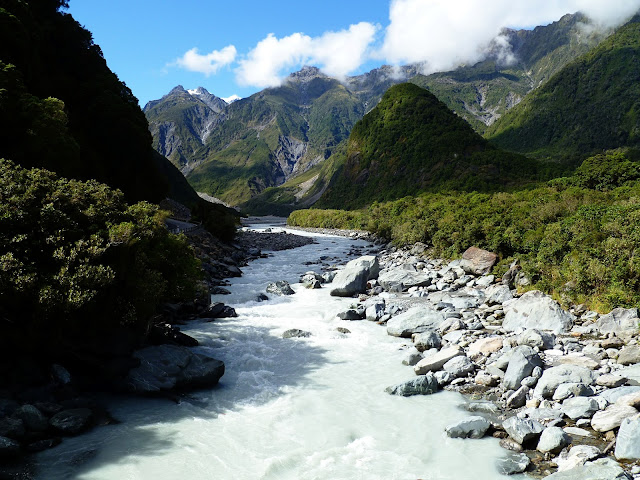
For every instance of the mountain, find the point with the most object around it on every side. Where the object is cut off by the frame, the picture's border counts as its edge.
(411, 143)
(592, 104)
(272, 137)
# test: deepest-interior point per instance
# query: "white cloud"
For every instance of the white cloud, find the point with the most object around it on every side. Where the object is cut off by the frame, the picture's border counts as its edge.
(336, 53)
(445, 33)
(208, 64)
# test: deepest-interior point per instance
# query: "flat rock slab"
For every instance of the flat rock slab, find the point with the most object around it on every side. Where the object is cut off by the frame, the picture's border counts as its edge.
(435, 362)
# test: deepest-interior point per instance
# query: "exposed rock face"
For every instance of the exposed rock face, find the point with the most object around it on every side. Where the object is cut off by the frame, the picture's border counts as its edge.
(536, 310)
(168, 367)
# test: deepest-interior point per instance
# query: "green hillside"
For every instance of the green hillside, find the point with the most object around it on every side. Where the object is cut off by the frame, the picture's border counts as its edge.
(590, 105)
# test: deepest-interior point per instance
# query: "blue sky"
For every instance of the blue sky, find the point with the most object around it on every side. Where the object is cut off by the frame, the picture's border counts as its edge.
(243, 46)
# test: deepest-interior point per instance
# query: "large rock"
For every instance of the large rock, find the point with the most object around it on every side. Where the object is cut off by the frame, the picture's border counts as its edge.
(352, 279)
(423, 385)
(459, 366)
(497, 294)
(435, 361)
(281, 288)
(71, 421)
(414, 320)
(629, 355)
(612, 417)
(401, 280)
(579, 407)
(598, 470)
(426, 341)
(555, 376)
(578, 455)
(478, 261)
(614, 394)
(628, 441)
(472, 427)
(553, 439)
(513, 463)
(621, 321)
(536, 310)
(522, 430)
(33, 418)
(486, 346)
(521, 364)
(167, 367)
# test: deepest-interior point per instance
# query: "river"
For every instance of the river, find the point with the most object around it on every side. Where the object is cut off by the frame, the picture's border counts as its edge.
(304, 408)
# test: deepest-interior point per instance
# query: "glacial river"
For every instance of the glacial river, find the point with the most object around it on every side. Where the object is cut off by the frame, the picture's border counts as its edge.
(306, 408)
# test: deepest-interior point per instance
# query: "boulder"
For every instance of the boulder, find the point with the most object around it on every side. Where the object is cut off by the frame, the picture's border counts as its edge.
(486, 346)
(536, 338)
(414, 320)
(459, 366)
(497, 294)
(621, 321)
(521, 364)
(629, 355)
(72, 421)
(375, 311)
(402, 280)
(518, 398)
(579, 407)
(351, 314)
(219, 310)
(598, 470)
(281, 288)
(567, 390)
(435, 361)
(296, 333)
(168, 367)
(614, 394)
(426, 341)
(522, 430)
(513, 463)
(471, 427)
(553, 439)
(578, 455)
(352, 279)
(612, 417)
(611, 380)
(33, 418)
(555, 376)
(478, 261)
(628, 441)
(423, 385)
(536, 310)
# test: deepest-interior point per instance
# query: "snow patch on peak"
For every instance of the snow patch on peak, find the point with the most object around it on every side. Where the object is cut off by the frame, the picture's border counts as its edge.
(232, 98)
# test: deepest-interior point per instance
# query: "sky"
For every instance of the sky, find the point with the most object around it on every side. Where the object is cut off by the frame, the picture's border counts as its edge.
(236, 48)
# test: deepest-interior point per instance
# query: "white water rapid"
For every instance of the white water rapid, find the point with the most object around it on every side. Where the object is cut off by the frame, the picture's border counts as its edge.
(302, 408)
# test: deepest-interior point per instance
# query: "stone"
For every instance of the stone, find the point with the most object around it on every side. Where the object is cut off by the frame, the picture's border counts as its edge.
(471, 427)
(459, 366)
(435, 361)
(620, 321)
(612, 417)
(511, 445)
(168, 367)
(423, 385)
(444, 378)
(536, 310)
(296, 333)
(577, 432)
(33, 418)
(352, 279)
(414, 320)
(478, 261)
(60, 375)
(612, 395)
(632, 373)
(628, 441)
(577, 456)
(486, 379)
(281, 288)
(451, 325)
(351, 314)
(522, 361)
(598, 470)
(375, 311)
(343, 330)
(522, 430)
(72, 421)
(512, 464)
(518, 398)
(629, 355)
(611, 380)
(553, 439)
(536, 338)
(486, 346)
(497, 294)
(579, 407)
(567, 390)
(426, 341)
(632, 400)
(554, 376)
(8, 448)
(542, 415)
(411, 358)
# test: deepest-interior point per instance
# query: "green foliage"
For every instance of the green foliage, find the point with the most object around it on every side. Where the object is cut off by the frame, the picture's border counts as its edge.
(77, 261)
(571, 230)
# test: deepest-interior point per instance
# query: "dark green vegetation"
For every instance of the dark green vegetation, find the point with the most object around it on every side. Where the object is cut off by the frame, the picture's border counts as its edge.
(82, 272)
(411, 143)
(590, 105)
(576, 236)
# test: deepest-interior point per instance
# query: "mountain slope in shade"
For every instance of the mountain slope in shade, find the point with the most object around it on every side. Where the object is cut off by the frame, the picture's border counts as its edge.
(592, 104)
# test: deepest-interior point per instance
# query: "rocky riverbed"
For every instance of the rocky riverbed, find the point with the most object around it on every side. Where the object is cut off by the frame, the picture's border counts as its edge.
(559, 388)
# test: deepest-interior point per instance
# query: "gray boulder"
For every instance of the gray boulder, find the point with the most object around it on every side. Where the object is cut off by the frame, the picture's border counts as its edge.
(351, 314)
(522, 430)
(621, 321)
(423, 385)
(612, 417)
(352, 279)
(472, 427)
(612, 395)
(167, 367)
(513, 463)
(497, 294)
(435, 361)
(628, 441)
(426, 341)
(296, 333)
(414, 320)
(521, 364)
(555, 376)
(553, 439)
(478, 261)
(401, 280)
(567, 390)
(598, 470)
(281, 288)
(459, 366)
(375, 311)
(579, 407)
(536, 310)
(537, 338)
(72, 421)
(33, 418)
(629, 355)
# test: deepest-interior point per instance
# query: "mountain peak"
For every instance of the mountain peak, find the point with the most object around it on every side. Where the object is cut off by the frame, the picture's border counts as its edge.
(306, 74)
(177, 90)
(199, 91)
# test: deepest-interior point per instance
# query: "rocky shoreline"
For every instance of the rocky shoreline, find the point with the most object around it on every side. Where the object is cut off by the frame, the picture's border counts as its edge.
(559, 388)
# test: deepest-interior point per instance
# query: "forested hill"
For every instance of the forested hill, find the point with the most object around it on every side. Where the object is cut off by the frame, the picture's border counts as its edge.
(590, 105)
(61, 108)
(410, 143)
